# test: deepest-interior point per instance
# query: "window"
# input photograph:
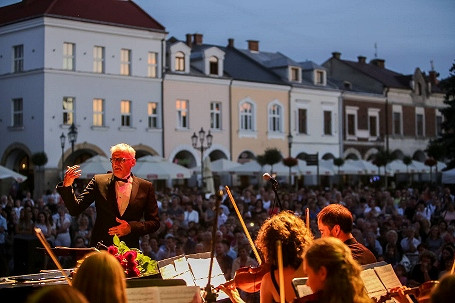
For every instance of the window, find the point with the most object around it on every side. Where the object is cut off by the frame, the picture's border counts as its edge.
(438, 125)
(295, 74)
(68, 110)
(327, 122)
(98, 59)
(303, 120)
(215, 115)
(152, 113)
(419, 125)
(152, 66)
(275, 118)
(373, 121)
(125, 111)
(182, 113)
(69, 56)
(419, 89)
(320, 77)
(98, 112)
(397, 123)
(213, 61)
(18, 58)
(125, 62)
(18, 113)
(351, 125)
(180, 62)
(246, 116)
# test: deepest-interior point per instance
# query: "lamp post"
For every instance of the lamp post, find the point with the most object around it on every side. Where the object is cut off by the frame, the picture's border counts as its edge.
(62, 144)
(72, 136)
(202, 137)
(290, 138)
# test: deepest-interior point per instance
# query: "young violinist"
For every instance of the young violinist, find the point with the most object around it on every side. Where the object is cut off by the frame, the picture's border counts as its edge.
(333, 274)
(295, 238)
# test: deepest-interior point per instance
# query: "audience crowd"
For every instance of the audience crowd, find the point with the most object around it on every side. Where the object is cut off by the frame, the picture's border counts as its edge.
(412, 229)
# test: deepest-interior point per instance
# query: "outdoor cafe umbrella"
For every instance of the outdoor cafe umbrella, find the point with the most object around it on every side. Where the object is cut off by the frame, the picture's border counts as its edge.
(157, 168)
(95, 165)
(6, 173)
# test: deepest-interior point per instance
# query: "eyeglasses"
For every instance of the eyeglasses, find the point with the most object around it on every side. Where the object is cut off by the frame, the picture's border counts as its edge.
(119, 160)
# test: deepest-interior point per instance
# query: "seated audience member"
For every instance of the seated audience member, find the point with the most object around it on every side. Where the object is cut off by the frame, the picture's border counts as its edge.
(57, 293)
(101, 278)
(335, 220)
(424, 270)
(333, 274)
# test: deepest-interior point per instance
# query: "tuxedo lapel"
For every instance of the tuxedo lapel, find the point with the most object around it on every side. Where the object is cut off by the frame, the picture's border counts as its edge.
(134, 190)
(111, 194)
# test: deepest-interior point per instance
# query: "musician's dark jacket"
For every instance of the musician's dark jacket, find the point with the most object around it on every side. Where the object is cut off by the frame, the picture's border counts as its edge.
(359, 252)
(101, 190)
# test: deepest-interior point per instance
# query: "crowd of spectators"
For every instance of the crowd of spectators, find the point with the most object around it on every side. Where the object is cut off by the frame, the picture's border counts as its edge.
(411, 229)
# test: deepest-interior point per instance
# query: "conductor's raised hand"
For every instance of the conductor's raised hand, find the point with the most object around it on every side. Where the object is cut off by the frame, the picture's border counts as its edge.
(72, 172)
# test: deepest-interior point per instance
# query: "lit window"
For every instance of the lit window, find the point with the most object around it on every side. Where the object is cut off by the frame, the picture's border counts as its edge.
(18, 113)
(98, 112)
(152, 112)
(98, 59)
(18, 58)
(246, 116)
(69, 50)
(68, 110)
(215, 115)
(182, 113)
(152, 66)
(180, 62)
(125, 110)
(125, 62)
(275, 118)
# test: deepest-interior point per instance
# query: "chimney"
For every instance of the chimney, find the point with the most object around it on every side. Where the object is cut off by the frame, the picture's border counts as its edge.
(253, 45)
(433, 77)
(362, 59)
(189, 39)
(336, 55)
(230, 42)
(378, 62)
(197, 39)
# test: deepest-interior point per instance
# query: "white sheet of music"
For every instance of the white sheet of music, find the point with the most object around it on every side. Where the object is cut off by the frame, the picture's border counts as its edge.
(388, 276)
(373, 284)
(162, 294)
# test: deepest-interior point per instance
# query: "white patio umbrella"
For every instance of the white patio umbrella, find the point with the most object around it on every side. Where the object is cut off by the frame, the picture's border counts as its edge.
(95, 165)
(448, 176)
(248, 168)
(157, 168)
(282, 170)
(223, 166)
(6, 173)
(351, 167)
(325, 168)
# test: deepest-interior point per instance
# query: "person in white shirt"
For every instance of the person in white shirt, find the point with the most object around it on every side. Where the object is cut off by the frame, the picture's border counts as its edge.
(190, 215)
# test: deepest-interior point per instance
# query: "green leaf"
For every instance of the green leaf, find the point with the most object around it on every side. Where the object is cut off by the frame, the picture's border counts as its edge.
(116, 240)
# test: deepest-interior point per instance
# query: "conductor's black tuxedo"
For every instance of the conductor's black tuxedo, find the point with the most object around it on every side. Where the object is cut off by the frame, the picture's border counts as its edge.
(101, 190)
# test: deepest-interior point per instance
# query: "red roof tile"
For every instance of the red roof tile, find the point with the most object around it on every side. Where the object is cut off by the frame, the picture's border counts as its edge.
(113, 12)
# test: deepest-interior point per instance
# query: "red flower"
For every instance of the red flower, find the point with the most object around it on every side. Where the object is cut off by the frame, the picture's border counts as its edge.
(130, 255)
(113, 250)
(134, 272)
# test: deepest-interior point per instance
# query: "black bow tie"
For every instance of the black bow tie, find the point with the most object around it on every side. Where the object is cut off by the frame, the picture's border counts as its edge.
(122, 180)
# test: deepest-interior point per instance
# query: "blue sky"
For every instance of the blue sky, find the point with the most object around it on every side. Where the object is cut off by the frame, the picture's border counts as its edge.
(408, 33)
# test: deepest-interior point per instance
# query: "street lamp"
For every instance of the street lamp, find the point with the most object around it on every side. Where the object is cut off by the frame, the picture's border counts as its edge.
(72, 136)
(202, 137)
(62, 144)
(290, 138)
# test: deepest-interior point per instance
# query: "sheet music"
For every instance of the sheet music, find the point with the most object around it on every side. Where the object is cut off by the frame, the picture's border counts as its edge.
(162, 294)
(373, 284)
(388, 276)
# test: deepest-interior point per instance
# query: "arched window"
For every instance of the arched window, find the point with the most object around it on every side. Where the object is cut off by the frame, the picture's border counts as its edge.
(180, 62)
(275, 118)
(246, 116)
(213, 61)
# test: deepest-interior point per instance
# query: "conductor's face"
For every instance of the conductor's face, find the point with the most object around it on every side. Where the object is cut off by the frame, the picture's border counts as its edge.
(122, 162)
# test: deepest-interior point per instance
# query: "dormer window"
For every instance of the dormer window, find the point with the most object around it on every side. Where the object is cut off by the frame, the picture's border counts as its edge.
(213, 62)
(180, 62)
(295, 74)
(319, 77)
(347, 85)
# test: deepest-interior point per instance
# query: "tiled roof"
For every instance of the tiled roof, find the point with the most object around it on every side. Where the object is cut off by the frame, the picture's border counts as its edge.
(112, 12)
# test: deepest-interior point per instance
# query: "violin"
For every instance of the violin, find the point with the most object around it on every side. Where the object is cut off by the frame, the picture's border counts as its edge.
(248, 279)
(421, 292)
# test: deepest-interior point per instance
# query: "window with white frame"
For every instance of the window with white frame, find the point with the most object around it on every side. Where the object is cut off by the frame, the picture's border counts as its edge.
(98, 112)
(181, 107)
(69, 56)
(215, 115)
(152, 115)
(438, 121)
(213, 68)
(302, 121)
(98, 59)
(18, 58)
(125, 112)
(275, 118)
(327, 122)
(351, 122)
(295, 74)
(246, 116)
(180, 62)
(373, 123)
(17, 113)
(319, 77)
(397, 121)
(68, 110)
(152, 66)
(420, 122)
(125, 62)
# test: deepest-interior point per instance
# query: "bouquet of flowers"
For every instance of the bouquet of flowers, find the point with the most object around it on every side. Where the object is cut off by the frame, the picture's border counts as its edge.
(132, 260)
